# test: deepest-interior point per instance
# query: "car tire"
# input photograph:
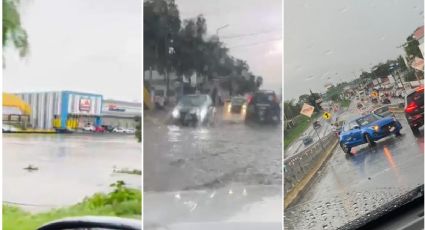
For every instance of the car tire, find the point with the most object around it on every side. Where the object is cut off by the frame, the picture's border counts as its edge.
(415, 130)
(369, 140)
(398, 134)
(344, 148)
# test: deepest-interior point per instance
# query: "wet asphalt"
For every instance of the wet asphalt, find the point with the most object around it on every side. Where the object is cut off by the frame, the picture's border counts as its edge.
(190, 158)
(350, 187)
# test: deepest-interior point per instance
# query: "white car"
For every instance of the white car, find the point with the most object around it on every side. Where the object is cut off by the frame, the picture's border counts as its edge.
(89, 128)
(130, 130)
(119, 130)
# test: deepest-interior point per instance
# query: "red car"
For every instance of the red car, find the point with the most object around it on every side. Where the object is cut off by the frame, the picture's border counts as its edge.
(414, 109)
(99, 129)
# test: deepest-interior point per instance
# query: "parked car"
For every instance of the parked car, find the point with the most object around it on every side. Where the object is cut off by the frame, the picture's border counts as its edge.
(367, 129)
(119, 130)
(99, 129)
(108, 128)
(194, 109)
(263, 107)
(414, 109)
(383, 111)
(235, 108)
(89, 128)
(130, 130)
(93, 222)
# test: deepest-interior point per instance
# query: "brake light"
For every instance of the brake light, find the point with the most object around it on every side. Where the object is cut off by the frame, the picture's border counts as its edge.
(420, 89)
(412, 106)
(249, 99)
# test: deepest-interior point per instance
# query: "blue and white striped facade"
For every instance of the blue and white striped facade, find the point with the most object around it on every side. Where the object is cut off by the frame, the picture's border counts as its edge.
(46, 106)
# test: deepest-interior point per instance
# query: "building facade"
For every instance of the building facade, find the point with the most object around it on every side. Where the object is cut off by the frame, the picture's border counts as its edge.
(120, 113)
(63, 109)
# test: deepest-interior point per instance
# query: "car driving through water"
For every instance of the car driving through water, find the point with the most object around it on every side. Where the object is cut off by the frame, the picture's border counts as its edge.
(235, 109)
(194, 109)
(263, 107)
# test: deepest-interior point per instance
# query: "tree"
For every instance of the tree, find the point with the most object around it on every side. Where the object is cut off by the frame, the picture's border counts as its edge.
(259, 82)
(13, 32)
(161, 23)
(412, 48)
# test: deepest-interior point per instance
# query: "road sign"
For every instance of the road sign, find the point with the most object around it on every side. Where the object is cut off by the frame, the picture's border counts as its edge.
(327, 115)
(307, 110)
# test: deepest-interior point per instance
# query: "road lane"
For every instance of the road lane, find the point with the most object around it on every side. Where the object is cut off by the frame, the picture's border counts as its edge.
(351, 186)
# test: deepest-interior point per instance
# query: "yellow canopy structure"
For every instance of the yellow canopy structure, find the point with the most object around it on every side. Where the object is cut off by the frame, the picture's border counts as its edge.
(10, 100)
(147, 99)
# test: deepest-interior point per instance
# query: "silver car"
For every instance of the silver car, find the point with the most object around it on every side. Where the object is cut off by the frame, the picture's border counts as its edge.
(194, 109)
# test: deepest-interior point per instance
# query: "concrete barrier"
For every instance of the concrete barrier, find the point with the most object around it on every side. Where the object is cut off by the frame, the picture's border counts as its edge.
(301, 168)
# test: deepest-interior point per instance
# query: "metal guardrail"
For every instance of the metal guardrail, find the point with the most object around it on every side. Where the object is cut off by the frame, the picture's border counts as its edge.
(298, 165)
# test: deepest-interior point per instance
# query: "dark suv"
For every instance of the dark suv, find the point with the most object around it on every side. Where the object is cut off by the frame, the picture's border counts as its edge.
(414, 109)
(264, 107)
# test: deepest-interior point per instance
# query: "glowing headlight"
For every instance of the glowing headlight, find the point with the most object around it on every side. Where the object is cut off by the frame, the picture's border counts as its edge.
(175, 113)
(376, 128)
(203, 113)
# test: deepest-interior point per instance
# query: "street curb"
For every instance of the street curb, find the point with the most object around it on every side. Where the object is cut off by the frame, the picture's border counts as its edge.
(298, 189)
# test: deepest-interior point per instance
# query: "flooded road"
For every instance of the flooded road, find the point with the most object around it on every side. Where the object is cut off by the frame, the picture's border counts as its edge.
(187, 158)
(352, 188)
(70, 167)
(211, 175)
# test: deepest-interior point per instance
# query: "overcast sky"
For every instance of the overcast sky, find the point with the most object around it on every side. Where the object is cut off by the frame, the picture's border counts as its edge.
(256, 28)
(83, 45)
(336, 39)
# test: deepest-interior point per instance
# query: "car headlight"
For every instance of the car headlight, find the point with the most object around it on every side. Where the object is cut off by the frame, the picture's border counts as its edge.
(203, 113)
(376, 128)
(175, 113)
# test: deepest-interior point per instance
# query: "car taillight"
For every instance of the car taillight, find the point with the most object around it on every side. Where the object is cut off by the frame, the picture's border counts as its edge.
(249, 99)
(420, 89)
(411, 107)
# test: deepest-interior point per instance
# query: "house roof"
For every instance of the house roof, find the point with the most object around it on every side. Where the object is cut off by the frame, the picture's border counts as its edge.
(419, 33)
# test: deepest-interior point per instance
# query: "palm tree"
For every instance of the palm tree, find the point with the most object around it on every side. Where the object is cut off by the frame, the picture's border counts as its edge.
(13, 33)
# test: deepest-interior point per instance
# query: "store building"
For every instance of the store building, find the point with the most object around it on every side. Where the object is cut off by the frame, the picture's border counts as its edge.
(120, 113)
(63, 110)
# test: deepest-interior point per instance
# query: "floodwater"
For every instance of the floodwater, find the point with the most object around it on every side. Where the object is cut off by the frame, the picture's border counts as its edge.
(187, 158)
(70, 167)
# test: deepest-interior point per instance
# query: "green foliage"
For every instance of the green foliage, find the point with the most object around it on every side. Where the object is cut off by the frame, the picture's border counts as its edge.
(185, 48)
(301, 123)
(122, 201)
(412, 48)
(13, 33)
(138, 128)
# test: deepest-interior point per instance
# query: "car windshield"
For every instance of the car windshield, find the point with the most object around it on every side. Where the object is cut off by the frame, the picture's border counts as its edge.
(342, 52)
(238, 100)
(193, 100)
(263, 97)
(366, 120)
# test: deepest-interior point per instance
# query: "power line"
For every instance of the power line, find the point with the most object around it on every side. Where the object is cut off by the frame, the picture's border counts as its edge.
(249, 34)
(254, 44)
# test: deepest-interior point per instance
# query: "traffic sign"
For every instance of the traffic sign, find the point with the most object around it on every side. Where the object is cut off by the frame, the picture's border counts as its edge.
(327, 115)
(307, 110)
